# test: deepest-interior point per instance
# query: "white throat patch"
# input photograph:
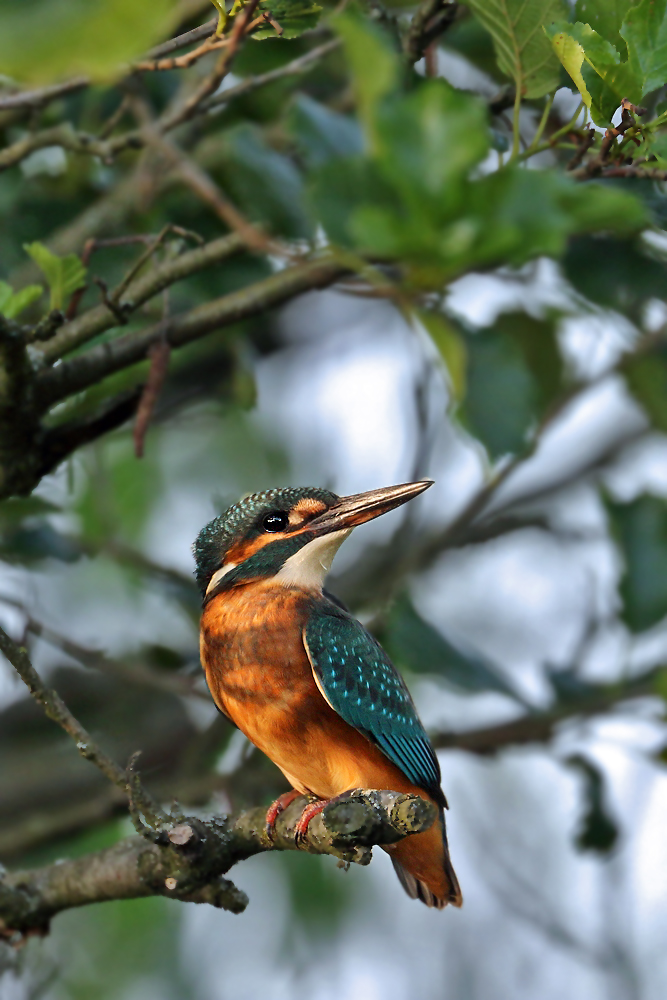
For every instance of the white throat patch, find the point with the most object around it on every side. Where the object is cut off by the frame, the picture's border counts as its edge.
(308, 567)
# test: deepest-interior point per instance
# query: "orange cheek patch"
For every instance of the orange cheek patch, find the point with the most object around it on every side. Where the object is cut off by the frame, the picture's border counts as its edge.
(304, 510)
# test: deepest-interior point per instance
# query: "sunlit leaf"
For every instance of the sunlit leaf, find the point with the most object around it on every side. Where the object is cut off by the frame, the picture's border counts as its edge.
(46, 39)
(373, 63)
(596, 68)
(13, 303)
(63, 274)
(522, 50)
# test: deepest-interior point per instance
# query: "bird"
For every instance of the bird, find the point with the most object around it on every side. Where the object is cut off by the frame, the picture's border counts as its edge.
(303, 679)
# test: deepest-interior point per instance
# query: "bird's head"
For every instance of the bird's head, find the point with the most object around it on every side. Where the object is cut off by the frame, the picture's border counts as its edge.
(290, 534)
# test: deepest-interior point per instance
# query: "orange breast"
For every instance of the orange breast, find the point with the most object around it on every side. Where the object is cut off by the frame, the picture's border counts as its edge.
(259, 674)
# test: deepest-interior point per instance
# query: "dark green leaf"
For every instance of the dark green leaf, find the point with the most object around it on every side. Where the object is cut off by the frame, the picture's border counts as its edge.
(413, 642)
(646, 376)
(605, 17)
(514, 373)
(645, 33)
(640, 529)
(293, 16)
(322, 134)
(598, 831)
(616, 274)
(266, 184)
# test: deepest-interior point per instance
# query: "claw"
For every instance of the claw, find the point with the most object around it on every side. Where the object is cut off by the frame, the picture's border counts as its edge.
(275, 809)
(309, 813)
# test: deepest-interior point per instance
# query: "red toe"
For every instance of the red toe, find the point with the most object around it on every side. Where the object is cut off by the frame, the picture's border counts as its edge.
(275, 809)
(310, 812)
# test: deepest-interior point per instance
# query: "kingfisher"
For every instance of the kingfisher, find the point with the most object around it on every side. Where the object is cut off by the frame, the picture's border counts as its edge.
(303, 679)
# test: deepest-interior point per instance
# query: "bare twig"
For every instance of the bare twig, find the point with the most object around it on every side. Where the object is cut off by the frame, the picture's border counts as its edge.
(57, 710)
(431, 19)
(32, 100)
(222, 68)
(60, 135)
(300, 65)
(158, 354)
(181, 41)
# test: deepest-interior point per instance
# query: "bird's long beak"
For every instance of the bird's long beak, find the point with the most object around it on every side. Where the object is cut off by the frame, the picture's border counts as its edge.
(348, 512)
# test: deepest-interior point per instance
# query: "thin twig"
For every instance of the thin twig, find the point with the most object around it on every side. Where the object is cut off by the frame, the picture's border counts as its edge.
(90, 367)
(222, 68)
(98, 319)
(33, 100)
(57, 710)
(158, 354)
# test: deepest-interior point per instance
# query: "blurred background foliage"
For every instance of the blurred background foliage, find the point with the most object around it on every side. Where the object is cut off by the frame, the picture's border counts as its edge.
(483, 186)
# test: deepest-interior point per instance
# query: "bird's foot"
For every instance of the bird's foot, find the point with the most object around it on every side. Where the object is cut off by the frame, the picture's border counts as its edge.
(312, 810)
(276, 808)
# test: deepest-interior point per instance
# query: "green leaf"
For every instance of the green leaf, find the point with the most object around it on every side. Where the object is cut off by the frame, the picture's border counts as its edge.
(413, 196)
(597, 831)
(293, 16)
(616, 274)
(645, 33)
(514, 373)
(640, 529)
(265, 183)
(63, 274)
(452, 348)
(596, 69)
(523, 52)
(320, 133)
(414, 642)
(646, 376)
(13, 303)
(605, 17)
(373, 62)
(46, 39)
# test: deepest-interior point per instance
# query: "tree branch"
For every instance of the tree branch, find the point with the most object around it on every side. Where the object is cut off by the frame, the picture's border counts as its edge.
(196, 853)
(99, 319)
(540, 727)
(89, 368)
(33, 100)
(431, 19)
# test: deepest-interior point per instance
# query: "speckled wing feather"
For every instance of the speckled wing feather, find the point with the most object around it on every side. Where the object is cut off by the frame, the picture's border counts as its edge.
(361, 684)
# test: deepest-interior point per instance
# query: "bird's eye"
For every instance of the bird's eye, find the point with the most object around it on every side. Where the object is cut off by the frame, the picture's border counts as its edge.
(275, 521)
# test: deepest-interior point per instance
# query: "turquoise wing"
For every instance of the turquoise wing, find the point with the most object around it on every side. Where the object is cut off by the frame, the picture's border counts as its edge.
(362, 685)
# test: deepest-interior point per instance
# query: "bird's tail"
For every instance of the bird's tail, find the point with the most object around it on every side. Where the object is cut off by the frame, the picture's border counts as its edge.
(424, 868)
